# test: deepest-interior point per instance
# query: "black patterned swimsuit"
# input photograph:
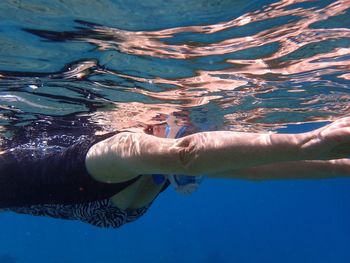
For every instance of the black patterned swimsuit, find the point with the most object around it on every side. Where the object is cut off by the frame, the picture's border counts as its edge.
(53, 181)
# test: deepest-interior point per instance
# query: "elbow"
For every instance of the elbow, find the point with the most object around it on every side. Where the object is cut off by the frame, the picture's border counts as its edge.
(189, 155)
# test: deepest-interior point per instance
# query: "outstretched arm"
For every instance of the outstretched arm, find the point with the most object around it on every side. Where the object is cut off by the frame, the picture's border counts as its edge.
(127, 155)
(319, 169)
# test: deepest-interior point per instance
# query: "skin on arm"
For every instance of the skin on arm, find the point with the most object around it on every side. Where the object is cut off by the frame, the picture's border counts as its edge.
(314, 169)
(127, 155)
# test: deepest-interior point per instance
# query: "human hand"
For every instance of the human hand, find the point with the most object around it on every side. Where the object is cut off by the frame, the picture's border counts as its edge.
(329, 142)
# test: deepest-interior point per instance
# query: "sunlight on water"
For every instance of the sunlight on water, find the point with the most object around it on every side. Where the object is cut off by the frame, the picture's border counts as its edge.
(265, 66)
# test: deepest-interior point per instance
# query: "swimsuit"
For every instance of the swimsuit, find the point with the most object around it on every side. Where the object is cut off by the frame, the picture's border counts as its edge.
(31, 176)
(52, 180)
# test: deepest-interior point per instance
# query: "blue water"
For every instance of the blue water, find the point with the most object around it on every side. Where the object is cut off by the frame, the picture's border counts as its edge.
(236, 65)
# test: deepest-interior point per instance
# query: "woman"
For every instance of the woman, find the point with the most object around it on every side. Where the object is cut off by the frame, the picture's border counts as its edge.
(112, 179)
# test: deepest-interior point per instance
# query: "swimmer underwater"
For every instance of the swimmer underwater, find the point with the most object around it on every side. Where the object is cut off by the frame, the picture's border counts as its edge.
(113, 179)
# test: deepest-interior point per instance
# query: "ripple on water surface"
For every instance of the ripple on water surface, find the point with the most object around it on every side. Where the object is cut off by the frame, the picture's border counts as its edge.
(230, 65)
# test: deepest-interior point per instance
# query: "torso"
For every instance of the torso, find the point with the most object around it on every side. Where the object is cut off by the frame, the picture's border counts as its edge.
(133, 201)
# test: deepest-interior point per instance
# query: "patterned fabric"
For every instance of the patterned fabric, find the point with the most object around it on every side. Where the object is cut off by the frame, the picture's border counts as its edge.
(53, 152)
(98, 213)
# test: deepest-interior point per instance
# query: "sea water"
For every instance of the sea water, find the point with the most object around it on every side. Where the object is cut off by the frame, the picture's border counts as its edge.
(255, 66)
